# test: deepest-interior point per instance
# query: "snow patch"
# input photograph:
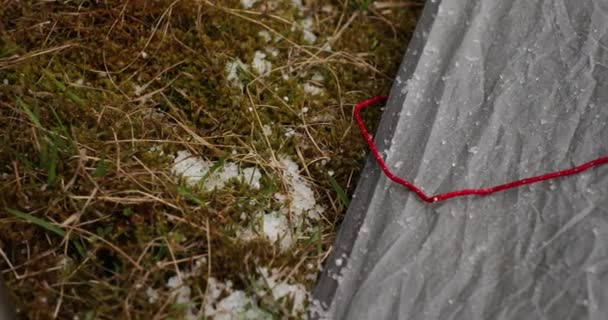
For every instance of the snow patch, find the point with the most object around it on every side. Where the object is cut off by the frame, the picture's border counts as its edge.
(300, 192)
(194, 169)
(234, 72)
(317, 77)
(247, 4)
(289, 132)
(260, 64)
(282, 289)
(236, 305)
(312, 89)
(138, 90)
(298, 205)
(224, 303)
(298, 5)
(276, 228)
(272, 51)
(265, 35)
(152, 295)
(307, 33)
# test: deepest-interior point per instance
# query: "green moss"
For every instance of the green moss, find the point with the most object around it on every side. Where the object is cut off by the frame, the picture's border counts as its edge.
(101, 83)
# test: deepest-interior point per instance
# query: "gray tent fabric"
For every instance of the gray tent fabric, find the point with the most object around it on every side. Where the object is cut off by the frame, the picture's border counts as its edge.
(489, 92)
(7, 311)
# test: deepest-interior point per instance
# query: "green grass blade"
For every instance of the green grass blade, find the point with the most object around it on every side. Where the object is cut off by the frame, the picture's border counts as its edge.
(342, 197)
(100, 169)
(29, 113)
(37, 221)
(182, 191)
(48, 226)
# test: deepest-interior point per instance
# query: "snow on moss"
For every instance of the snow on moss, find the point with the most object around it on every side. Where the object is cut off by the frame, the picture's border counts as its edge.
(282, 289)
(260, 64)
(225, 303)
(195, 169)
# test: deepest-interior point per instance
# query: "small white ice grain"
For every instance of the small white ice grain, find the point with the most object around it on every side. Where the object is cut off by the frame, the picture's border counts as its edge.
(339, 262)
(247, 4)
(474, 150)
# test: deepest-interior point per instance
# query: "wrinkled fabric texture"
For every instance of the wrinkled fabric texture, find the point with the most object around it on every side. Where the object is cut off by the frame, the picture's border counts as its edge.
(489, 92)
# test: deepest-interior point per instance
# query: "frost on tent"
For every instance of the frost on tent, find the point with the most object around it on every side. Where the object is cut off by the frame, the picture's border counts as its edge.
(196, 171)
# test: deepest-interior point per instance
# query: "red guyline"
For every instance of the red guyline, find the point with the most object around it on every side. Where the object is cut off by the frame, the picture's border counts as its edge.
(463, 192)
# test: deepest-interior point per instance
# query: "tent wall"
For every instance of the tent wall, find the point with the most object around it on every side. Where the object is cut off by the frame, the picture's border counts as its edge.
(489, 91)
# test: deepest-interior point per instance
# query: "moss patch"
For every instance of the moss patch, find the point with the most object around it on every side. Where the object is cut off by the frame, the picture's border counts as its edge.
(95, 99)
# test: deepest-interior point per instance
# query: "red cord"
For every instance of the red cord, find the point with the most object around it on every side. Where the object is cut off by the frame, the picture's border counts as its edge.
(463, 192)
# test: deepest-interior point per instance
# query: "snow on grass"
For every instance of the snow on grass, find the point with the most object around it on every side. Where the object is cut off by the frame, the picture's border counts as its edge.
(312, 89)
(265, 35)
(223, 302)
(317, 77)
(247, 4)
(298, 205)
(152, 295)
(299, 201)
(237, 305)
(180, 291)
(301, 196)
(307, 33)
(194, 170)
(234, 72)
(260, 64)
(276, 227)
(281, 289)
